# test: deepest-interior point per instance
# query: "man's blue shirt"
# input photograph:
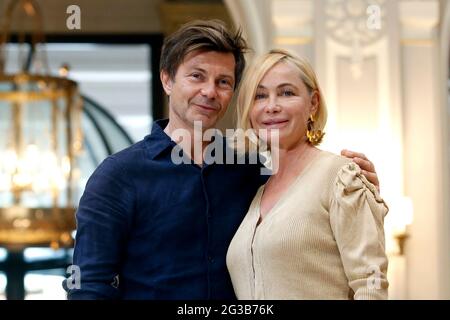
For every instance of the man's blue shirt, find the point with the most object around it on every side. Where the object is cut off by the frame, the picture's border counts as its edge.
(148, 228)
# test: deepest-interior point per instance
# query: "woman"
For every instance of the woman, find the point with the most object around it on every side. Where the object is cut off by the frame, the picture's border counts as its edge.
(315, 229)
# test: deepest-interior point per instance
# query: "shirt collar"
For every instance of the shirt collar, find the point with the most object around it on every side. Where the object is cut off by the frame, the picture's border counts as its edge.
(158, 141)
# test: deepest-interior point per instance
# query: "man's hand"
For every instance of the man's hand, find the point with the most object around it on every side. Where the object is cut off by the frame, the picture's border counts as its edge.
(367, 167)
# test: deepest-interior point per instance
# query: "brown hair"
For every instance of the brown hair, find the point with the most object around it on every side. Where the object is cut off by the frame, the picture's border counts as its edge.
(208, 35)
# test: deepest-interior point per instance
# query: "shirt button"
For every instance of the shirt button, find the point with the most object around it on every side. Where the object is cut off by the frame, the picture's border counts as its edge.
(210, 259)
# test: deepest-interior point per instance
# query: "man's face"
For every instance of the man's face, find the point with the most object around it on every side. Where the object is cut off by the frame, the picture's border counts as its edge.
(202, 88)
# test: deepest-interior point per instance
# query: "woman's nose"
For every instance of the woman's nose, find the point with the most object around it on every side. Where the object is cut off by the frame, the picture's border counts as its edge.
(272, 105)
(209, 90)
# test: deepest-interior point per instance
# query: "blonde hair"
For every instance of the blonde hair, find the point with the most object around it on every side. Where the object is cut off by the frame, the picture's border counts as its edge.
(256, 72)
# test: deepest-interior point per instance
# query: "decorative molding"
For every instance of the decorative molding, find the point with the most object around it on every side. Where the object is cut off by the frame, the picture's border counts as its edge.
(349, 22)
(174, 14)
(292, 19)
(355, 24)
(292, 40)
(418, 19)
(418, 42)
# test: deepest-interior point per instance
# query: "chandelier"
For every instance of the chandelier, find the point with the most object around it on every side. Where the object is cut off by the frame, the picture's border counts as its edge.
(40, 142)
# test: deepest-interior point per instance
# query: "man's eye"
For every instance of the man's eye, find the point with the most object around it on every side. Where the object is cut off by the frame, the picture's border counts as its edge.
(196, 75)
(225, 82)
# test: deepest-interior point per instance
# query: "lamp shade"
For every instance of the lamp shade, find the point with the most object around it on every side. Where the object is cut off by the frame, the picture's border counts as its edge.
(40, 139)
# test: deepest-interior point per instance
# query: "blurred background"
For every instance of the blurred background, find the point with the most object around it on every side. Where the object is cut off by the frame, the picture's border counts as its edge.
(93, 89)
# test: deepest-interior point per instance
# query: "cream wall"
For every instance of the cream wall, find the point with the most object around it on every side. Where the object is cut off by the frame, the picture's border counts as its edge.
(395, 111)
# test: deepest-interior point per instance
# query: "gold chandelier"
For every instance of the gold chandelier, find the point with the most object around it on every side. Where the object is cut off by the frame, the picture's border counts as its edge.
(40, 140)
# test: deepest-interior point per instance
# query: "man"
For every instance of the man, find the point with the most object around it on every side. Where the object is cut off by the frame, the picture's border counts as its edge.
(149, 228)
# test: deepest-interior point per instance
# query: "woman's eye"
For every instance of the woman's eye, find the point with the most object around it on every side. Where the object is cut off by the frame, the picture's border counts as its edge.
(287, 93)
(259, 96)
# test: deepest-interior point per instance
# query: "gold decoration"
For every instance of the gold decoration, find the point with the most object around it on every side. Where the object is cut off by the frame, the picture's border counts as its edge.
(314, 136)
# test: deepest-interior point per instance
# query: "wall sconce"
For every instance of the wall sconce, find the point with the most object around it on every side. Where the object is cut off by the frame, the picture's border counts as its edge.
(403, 211)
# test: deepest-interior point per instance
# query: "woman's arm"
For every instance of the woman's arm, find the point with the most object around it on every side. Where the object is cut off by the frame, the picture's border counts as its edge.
(357, 219)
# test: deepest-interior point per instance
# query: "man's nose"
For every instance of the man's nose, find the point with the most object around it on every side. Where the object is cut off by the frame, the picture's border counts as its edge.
(209, 90)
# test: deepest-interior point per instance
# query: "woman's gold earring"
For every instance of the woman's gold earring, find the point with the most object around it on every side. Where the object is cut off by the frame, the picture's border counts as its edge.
(314, 136)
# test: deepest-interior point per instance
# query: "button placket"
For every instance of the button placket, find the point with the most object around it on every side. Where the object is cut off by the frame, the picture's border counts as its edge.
(253, 254)
(209, 257)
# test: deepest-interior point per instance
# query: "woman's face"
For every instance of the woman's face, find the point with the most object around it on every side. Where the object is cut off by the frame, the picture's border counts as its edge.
(282, 102)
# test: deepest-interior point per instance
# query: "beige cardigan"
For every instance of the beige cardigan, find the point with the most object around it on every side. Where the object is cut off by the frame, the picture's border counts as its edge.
(323, 239)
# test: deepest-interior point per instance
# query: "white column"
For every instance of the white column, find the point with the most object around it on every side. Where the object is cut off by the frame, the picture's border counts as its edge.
(255, 17)
(293, 26)
(427, 254)
(445, 122)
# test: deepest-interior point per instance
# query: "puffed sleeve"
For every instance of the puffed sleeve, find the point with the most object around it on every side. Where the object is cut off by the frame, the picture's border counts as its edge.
(357, 216)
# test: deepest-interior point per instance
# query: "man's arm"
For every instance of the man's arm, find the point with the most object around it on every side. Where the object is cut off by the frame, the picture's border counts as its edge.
(367, 167)
(103, 219)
